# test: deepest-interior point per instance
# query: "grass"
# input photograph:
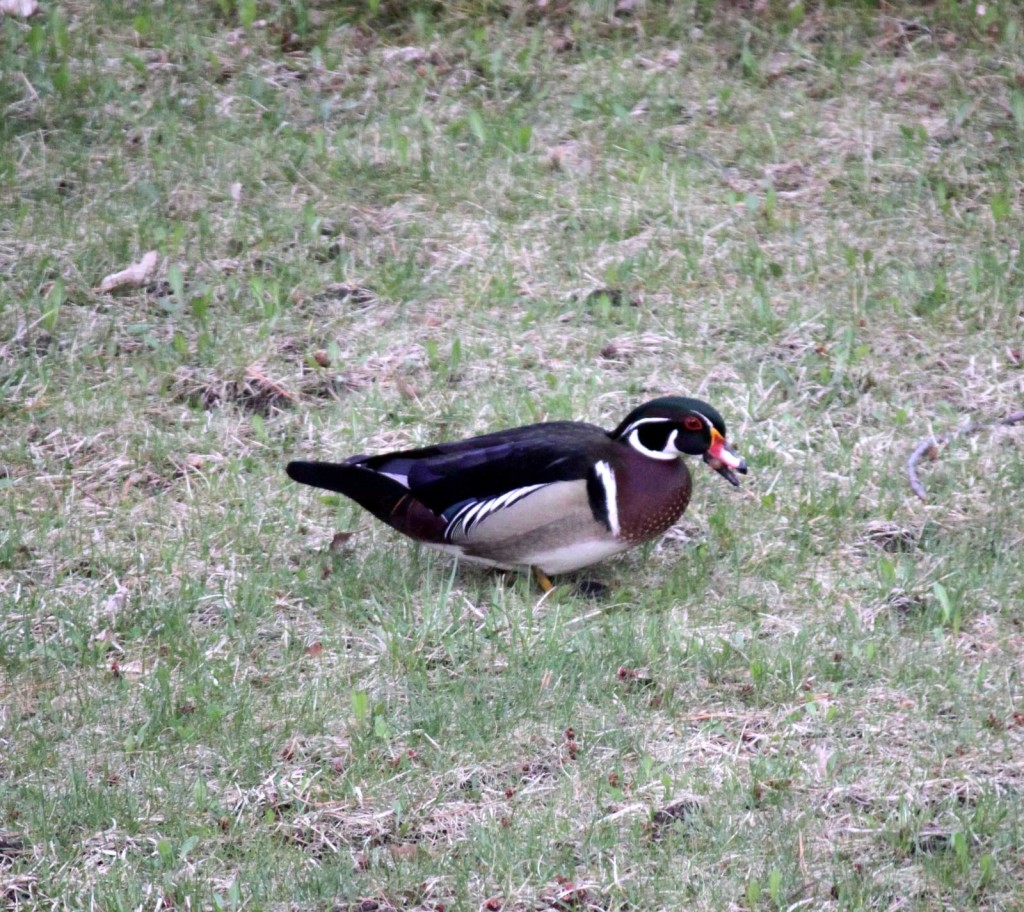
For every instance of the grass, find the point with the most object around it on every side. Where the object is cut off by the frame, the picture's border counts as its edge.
(389, 224)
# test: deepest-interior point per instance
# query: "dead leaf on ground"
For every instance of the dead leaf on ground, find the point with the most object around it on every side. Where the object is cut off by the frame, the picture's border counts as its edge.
(351, 294)
(115, 605)
(131, 277)
(404, 851)
(787, 175)
(407, 54)
(20, 886)
(634, 678)
(132, 671)
(109, 637)
(12, 843)
(259, 393)
(678, 811)
(569, 155)
(339, 541)
(562, 42)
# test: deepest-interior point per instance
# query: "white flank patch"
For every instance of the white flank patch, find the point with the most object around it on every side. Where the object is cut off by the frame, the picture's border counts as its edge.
(403, 480)
(463, 522)
(611, 495)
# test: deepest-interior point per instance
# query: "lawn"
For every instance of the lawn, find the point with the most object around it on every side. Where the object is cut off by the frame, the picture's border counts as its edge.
(385, 224)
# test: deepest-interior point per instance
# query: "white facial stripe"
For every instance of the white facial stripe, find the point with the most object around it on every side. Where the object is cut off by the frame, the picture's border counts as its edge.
(634, 442)
(637, 424)
(611, 495)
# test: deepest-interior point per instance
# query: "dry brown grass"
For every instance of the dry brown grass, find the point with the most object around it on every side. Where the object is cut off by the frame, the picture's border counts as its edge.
(805, 696)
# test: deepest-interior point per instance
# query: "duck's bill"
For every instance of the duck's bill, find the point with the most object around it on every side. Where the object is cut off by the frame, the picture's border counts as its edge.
(725, 460)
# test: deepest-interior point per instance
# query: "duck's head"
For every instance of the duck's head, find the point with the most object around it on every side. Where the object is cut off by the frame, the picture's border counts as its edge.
(674, 426)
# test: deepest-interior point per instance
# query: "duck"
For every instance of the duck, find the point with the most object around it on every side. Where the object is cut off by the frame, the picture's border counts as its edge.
(554, 497)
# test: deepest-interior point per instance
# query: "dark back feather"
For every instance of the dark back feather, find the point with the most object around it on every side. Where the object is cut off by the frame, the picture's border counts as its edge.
(448, 473)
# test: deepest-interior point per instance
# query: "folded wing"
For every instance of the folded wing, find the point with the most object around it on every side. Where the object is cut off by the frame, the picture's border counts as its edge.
(441, 492)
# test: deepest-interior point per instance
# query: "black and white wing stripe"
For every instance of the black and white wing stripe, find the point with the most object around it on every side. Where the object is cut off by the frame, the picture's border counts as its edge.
(603, 495)
(472, 512)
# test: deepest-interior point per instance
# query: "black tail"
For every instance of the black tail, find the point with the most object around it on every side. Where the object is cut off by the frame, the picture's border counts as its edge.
(372, 491)
(387, 499)
(341, 477)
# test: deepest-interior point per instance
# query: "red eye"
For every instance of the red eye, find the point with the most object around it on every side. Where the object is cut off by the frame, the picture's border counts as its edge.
(692, 423)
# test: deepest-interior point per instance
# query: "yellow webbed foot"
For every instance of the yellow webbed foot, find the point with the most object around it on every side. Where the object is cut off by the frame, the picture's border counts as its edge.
(543, 580)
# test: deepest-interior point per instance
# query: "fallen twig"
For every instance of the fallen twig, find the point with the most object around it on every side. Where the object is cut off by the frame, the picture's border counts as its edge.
(931, 444)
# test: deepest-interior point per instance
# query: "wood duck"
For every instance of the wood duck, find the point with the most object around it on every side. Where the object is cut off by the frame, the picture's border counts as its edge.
(554, 496)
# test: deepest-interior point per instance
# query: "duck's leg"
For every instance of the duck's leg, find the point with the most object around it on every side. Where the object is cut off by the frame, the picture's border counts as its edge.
(588, 588)
(542, 579)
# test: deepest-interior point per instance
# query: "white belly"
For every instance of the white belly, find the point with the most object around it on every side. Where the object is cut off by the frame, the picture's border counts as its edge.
(572, 557)
(551, 562)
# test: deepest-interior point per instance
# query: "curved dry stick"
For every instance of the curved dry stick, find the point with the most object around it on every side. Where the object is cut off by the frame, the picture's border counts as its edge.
(932, 444)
